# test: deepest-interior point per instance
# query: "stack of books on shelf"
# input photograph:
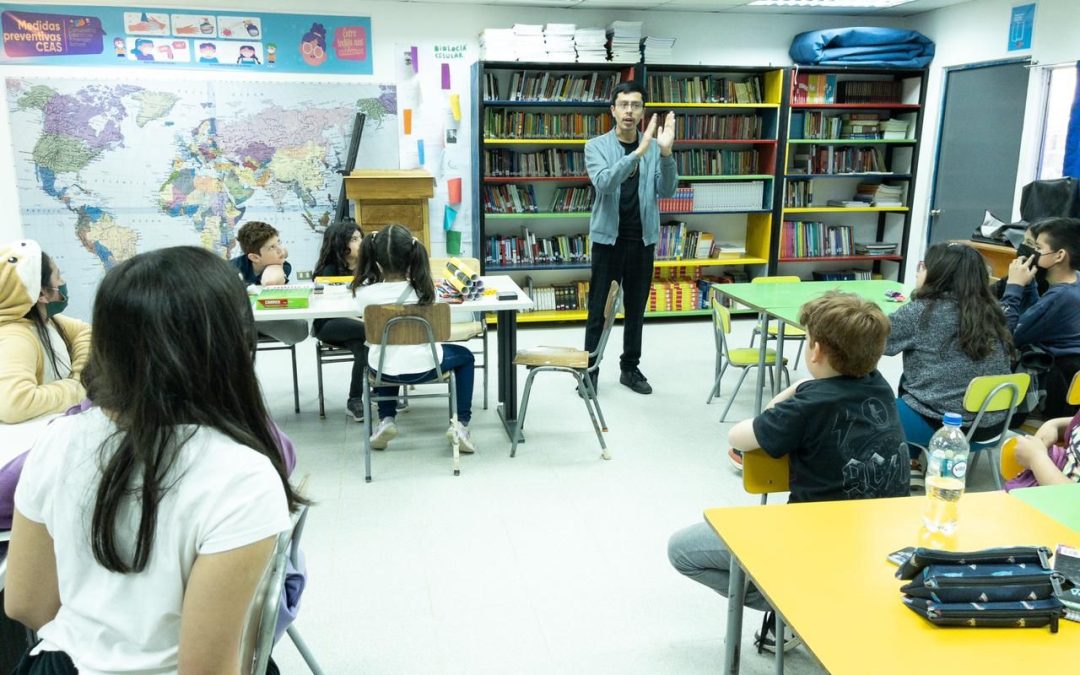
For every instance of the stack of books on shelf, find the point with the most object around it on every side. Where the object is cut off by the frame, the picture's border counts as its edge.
(657, 49)
(831, 159)
(559, 41)
(497, 44)
(528, 249)
(860, 126)
(572, 199)
(814, 88)
(591, 45)
(843, 275)
(697, 89)
(716, 162)
(682, 202)
(503, 123)
(880, 194)
(876, 248)
(679, 243)
(624, 40)
(509, 199)
(815, 125)
(674, 296)
(868, 91)
(550, 163)
(894, 129)
(733, 196)
(808, 239)
(559, 297)
(546, 86)
(799, 194)
(529, 42)
(718, 127)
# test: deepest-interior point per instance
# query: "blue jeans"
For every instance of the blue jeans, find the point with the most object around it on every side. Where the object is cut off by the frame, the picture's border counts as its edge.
(916, 429)
(456, 358)
(698, 553)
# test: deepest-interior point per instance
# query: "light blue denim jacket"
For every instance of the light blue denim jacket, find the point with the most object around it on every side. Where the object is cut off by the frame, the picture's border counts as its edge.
(608, 166)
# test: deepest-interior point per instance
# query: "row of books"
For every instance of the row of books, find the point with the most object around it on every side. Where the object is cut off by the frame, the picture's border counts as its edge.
(827, 88)
(676, 296)
(510, 199)
(717, 162)
(726, 127)
(500, 123)
(682, 202)
(558, 297)
(528, 249)
(546, 86)
(677, 242)
(843, 275)
(550, 163)
(873, 194)
(573, 199)
(809, 239)
(853, 126)
(704, 89)
(725, 196)
(832, 159)
(799, 193)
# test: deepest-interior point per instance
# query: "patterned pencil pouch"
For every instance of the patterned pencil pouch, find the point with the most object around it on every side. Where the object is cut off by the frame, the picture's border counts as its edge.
(1009, 555)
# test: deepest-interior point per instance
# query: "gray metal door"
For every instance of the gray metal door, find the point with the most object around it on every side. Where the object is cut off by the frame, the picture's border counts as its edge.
(978, 148)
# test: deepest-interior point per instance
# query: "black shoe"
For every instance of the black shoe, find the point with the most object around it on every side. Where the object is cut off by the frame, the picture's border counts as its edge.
(595, 377)
(354, 408)
(636, 381)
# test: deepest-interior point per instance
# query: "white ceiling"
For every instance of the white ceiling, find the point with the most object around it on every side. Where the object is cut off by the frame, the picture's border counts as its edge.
(739, 6)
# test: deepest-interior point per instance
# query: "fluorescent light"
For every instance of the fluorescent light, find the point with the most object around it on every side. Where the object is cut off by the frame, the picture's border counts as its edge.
(830, 3)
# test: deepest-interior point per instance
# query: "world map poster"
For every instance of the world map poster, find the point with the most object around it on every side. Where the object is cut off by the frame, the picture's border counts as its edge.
(106, 169)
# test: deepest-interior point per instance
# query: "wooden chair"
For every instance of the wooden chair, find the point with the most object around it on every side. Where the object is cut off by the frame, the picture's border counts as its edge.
(790, 332)
(407, 325)
(1008, 467)
(467, 331)
(744, 359)
(576, 363)
(764, 475)
(269, 344)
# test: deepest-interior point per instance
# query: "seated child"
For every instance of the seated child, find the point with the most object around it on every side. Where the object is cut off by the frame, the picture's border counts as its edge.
(394, 269)
(840, 430)
(263, 263)
(1051, 456)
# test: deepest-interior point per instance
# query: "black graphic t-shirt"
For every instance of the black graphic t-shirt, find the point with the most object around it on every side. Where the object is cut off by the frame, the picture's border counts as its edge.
(844, 438)
(629, 203)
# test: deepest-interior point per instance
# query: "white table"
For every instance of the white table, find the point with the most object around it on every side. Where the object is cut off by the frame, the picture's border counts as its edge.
(340, 305)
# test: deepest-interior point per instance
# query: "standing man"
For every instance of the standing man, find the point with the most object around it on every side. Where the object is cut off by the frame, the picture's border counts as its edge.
(629, 171)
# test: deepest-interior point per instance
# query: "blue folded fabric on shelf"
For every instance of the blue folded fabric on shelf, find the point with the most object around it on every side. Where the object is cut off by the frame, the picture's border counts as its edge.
(865, 46)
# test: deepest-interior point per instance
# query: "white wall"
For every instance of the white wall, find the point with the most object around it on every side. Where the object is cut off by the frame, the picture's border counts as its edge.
(977, 32)
(727, 39)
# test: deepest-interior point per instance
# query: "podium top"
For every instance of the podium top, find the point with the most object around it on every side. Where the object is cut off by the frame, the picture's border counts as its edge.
(398, 184)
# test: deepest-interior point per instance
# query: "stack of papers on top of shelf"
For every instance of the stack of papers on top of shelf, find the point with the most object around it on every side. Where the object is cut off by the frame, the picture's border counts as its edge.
(624, 41)
(591, 45)
(875, 248)
(657, 49)
(559, 39)
(497, 44)
(894, 129)
(884, 194)
(529, 42)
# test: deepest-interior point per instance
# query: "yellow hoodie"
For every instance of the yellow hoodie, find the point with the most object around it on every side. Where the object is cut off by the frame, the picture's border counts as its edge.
(23, 394)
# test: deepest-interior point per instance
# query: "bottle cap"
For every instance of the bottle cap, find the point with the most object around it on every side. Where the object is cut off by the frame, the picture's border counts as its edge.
(952, 419)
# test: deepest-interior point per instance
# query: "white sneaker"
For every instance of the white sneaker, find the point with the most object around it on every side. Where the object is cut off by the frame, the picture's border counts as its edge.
(384, 433)
(765, 639)
(465, 441)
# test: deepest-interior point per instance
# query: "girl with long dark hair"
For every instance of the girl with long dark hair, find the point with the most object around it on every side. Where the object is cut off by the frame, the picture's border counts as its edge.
(394, 269)
(951, 332)
(142, 526)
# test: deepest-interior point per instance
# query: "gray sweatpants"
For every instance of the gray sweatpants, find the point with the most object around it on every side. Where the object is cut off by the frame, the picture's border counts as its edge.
(696, 552)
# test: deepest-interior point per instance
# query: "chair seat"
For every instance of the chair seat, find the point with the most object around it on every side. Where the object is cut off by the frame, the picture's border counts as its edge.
(789, 331)
(466, 330)
(388, 383)
(553, 356)
(748, 356)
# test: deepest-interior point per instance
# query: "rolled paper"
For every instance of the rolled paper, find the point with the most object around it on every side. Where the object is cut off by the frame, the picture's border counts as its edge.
(455, 106)
(456, 263)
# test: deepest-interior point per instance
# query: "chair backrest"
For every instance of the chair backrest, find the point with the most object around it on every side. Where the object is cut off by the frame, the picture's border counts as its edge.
(5, 535)
(721, 325)
(994, 393)
(407, 324)
(786, 279)
(611, 309)
(763, 474)
(258, 637)
(1073, 397)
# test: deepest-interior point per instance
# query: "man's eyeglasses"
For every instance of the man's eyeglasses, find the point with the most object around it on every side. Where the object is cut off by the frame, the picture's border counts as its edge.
(629, 105)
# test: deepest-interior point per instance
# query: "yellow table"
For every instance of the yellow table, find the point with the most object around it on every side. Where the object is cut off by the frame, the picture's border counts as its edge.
(822, 567)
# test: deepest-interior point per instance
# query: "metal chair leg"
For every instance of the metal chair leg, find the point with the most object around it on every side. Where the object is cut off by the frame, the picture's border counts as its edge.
(305, 651)
(295, 381)
(735, 393)
(588, 406)
(318, 372)
(798, 354)
(367, 427)
(716, 385)
(455, 445)
(521, 412)
(591, 390)
(487, 367)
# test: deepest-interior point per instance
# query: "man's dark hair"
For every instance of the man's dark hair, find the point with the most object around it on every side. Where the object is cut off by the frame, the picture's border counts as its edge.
(630, 87)
(1062, 234)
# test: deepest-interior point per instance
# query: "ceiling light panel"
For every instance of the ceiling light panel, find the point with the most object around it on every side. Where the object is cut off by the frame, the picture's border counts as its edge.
(876, 4)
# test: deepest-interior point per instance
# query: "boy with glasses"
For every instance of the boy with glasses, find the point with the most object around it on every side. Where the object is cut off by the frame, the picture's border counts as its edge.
(629, 172)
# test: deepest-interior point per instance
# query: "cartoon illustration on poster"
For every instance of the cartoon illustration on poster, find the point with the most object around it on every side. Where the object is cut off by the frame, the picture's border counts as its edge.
(146, 23)
(240, 27)
(194, 25)
(313, 45)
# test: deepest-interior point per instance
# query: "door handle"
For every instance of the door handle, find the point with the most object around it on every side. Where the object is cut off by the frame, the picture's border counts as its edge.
(934, 213)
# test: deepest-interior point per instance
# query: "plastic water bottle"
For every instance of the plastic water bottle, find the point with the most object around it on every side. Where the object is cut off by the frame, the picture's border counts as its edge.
(947, 464)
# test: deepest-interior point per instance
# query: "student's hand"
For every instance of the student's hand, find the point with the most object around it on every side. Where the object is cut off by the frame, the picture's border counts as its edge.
(1049, 433)
(273, 275)
(1029, 451)
(665, 136)
(1020, 272)
(646, 138)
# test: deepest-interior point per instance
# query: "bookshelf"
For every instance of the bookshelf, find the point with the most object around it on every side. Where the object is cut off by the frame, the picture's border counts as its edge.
(849, 171)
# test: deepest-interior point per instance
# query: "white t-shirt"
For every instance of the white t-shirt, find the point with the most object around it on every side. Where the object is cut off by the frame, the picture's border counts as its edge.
(224, 496)
(400, 359)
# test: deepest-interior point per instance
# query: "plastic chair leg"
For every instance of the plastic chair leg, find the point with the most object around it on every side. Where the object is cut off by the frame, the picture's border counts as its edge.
(735, 393)
(521, 413)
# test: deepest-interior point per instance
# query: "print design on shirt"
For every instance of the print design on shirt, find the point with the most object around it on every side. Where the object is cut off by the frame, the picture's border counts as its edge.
(872, 475)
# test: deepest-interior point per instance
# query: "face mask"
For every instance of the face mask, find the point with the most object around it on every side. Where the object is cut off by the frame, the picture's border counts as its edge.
(1023, 251)
(58, 306)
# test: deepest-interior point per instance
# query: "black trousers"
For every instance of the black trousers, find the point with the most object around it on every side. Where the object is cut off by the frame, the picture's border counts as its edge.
(347, 333)
(1057, 383)
(631, 264)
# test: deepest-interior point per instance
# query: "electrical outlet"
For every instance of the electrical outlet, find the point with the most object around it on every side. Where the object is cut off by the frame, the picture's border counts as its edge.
(305, 275)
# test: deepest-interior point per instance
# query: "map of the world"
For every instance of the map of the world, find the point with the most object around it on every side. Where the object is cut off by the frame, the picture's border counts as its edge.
(107, 169)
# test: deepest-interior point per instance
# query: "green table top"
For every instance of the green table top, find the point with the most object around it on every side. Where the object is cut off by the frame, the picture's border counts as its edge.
(774, 297)
(1060, 502)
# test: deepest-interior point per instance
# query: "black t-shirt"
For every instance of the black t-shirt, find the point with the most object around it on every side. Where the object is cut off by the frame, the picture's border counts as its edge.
(844, 438)
(629, 204)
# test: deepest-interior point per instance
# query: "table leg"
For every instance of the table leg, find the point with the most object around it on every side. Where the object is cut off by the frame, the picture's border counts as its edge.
(508, 402)
(736, 596)
(762, 326)
(778, 385)
(778, 664)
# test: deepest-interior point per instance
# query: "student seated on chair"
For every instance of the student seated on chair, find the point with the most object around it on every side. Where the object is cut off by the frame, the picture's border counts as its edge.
(263, 263)
(1050, 321)
(340, 256)
(951, 332)
(1051, 456)
(154, 514)
(394, 269)
(840, 431)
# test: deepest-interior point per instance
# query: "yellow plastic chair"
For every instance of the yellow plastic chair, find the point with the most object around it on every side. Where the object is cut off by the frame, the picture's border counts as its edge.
(763, 474)
(1007, 464)
(993, 393)
(790, 332)
(745, 359)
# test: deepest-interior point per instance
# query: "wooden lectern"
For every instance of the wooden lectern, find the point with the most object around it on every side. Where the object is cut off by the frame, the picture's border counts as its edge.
(390, 196)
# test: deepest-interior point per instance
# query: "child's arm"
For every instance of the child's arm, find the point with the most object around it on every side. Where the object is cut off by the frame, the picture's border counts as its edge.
(741, 437)
(1053, 431)
(32, 596)
(903, 331)
(274, 275)
(777, 430)
(1032, 454)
